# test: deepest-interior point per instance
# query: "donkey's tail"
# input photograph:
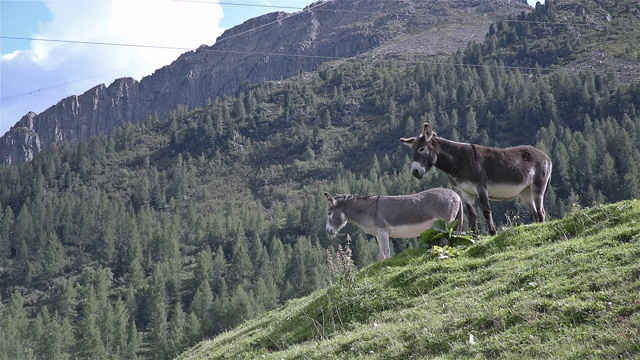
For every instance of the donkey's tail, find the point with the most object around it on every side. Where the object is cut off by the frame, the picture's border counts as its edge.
(460, 216)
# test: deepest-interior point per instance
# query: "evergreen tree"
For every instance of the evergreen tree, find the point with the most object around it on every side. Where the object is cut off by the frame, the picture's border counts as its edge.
(266, 294)
(24, 271)
(241, 307)
(134, 342)
(278, 258)
(204, 266)
(326, 119)
(202, 306)
(193, 329)
(6, 224)
(68, 303)
(51, 338)
(118, 346)
(159, 330)
(240, 267)
(52, 258)
(14, 326)
(259, 257)
(219, 267)
(470, 125)
(178, 339)
(239, 110)
(25, 232)
(90, 342)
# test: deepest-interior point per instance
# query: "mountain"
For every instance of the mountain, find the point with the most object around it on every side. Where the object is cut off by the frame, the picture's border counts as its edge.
(274, 46)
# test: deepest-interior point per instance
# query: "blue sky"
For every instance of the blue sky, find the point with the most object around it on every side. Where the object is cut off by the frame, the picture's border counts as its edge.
(35, 75)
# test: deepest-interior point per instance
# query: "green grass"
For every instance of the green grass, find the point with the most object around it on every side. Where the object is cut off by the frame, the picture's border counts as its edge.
(565, 289)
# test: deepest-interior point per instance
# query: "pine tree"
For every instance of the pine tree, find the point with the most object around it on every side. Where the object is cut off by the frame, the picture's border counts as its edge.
(471, 125)
(204, 266)
(239, 110)
(278, 258)
(202, 305)
(364, 251)
(159, 330)
(52, 257)
(259, 257)
(177, 331)
(68, 303)
(118, 346)
(219, 268)
(193, 329)
(24, 271)
(90, 341)
(134, 342)
(326, 119)
(5, 234)
(240, 267)
(51, 336)
(266, 294)
(241, 307)
(13, 327)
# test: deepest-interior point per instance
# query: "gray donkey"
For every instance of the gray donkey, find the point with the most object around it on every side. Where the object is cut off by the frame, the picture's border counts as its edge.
(484, 172)
(397, 216)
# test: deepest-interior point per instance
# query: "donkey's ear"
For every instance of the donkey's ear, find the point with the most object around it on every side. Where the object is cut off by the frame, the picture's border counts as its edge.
(330, 198)
(427, 131)
(408, 141)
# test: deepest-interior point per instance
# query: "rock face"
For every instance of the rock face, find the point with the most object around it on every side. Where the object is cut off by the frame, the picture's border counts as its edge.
(272, 46)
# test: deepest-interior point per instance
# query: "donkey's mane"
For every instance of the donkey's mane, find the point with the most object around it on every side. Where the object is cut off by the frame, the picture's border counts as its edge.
(344, 197)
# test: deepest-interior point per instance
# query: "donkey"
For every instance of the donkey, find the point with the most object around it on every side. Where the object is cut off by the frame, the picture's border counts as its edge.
(398, 216)
(484, 172)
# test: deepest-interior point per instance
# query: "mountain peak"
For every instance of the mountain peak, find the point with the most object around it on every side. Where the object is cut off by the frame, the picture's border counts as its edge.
(272, 46)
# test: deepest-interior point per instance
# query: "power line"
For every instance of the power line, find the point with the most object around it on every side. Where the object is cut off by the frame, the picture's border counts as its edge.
(277, 6)
(69, 82)
(241, 4)
(174, 47)
(279, 21)
(158, 47)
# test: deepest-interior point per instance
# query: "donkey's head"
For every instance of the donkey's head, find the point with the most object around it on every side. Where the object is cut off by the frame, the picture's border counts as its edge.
(422, 150)
(336, 219)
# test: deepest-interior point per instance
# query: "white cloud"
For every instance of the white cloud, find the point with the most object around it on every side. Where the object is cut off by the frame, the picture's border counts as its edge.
(64, 69)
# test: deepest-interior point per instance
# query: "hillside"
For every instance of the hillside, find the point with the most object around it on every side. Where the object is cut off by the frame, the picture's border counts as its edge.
(270, 47)
(564, 289)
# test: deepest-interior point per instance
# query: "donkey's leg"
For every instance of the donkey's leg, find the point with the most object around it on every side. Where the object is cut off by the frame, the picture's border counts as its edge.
(486, 210)
(538, 197)
(538, 189)
(539, 200)
(383, 244)
(469, 201)
(526, 196)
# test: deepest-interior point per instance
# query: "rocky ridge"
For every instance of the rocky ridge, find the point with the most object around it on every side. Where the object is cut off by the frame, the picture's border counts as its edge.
(282, 45)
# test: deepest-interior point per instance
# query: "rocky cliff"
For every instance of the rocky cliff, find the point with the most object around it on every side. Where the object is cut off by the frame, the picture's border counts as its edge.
(273, 46)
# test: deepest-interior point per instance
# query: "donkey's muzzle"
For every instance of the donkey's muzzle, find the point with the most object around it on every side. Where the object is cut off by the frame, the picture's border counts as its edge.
(417, 173)
(331, 231)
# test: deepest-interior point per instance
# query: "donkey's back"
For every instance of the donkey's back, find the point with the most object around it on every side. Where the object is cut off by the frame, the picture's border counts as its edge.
(407, 216)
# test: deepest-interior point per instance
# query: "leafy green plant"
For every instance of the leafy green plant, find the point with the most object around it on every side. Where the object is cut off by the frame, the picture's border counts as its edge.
(444, 252)
(444, 241)
(441, 234)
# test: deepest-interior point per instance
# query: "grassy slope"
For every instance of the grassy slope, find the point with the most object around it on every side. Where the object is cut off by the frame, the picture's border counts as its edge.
(569, 288)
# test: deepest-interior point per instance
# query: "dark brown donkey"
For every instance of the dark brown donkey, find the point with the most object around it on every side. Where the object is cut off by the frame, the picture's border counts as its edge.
(488, 173)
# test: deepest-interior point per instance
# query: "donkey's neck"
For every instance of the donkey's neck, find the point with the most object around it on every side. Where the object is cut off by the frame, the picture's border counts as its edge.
(452, 155)
(358, 209)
